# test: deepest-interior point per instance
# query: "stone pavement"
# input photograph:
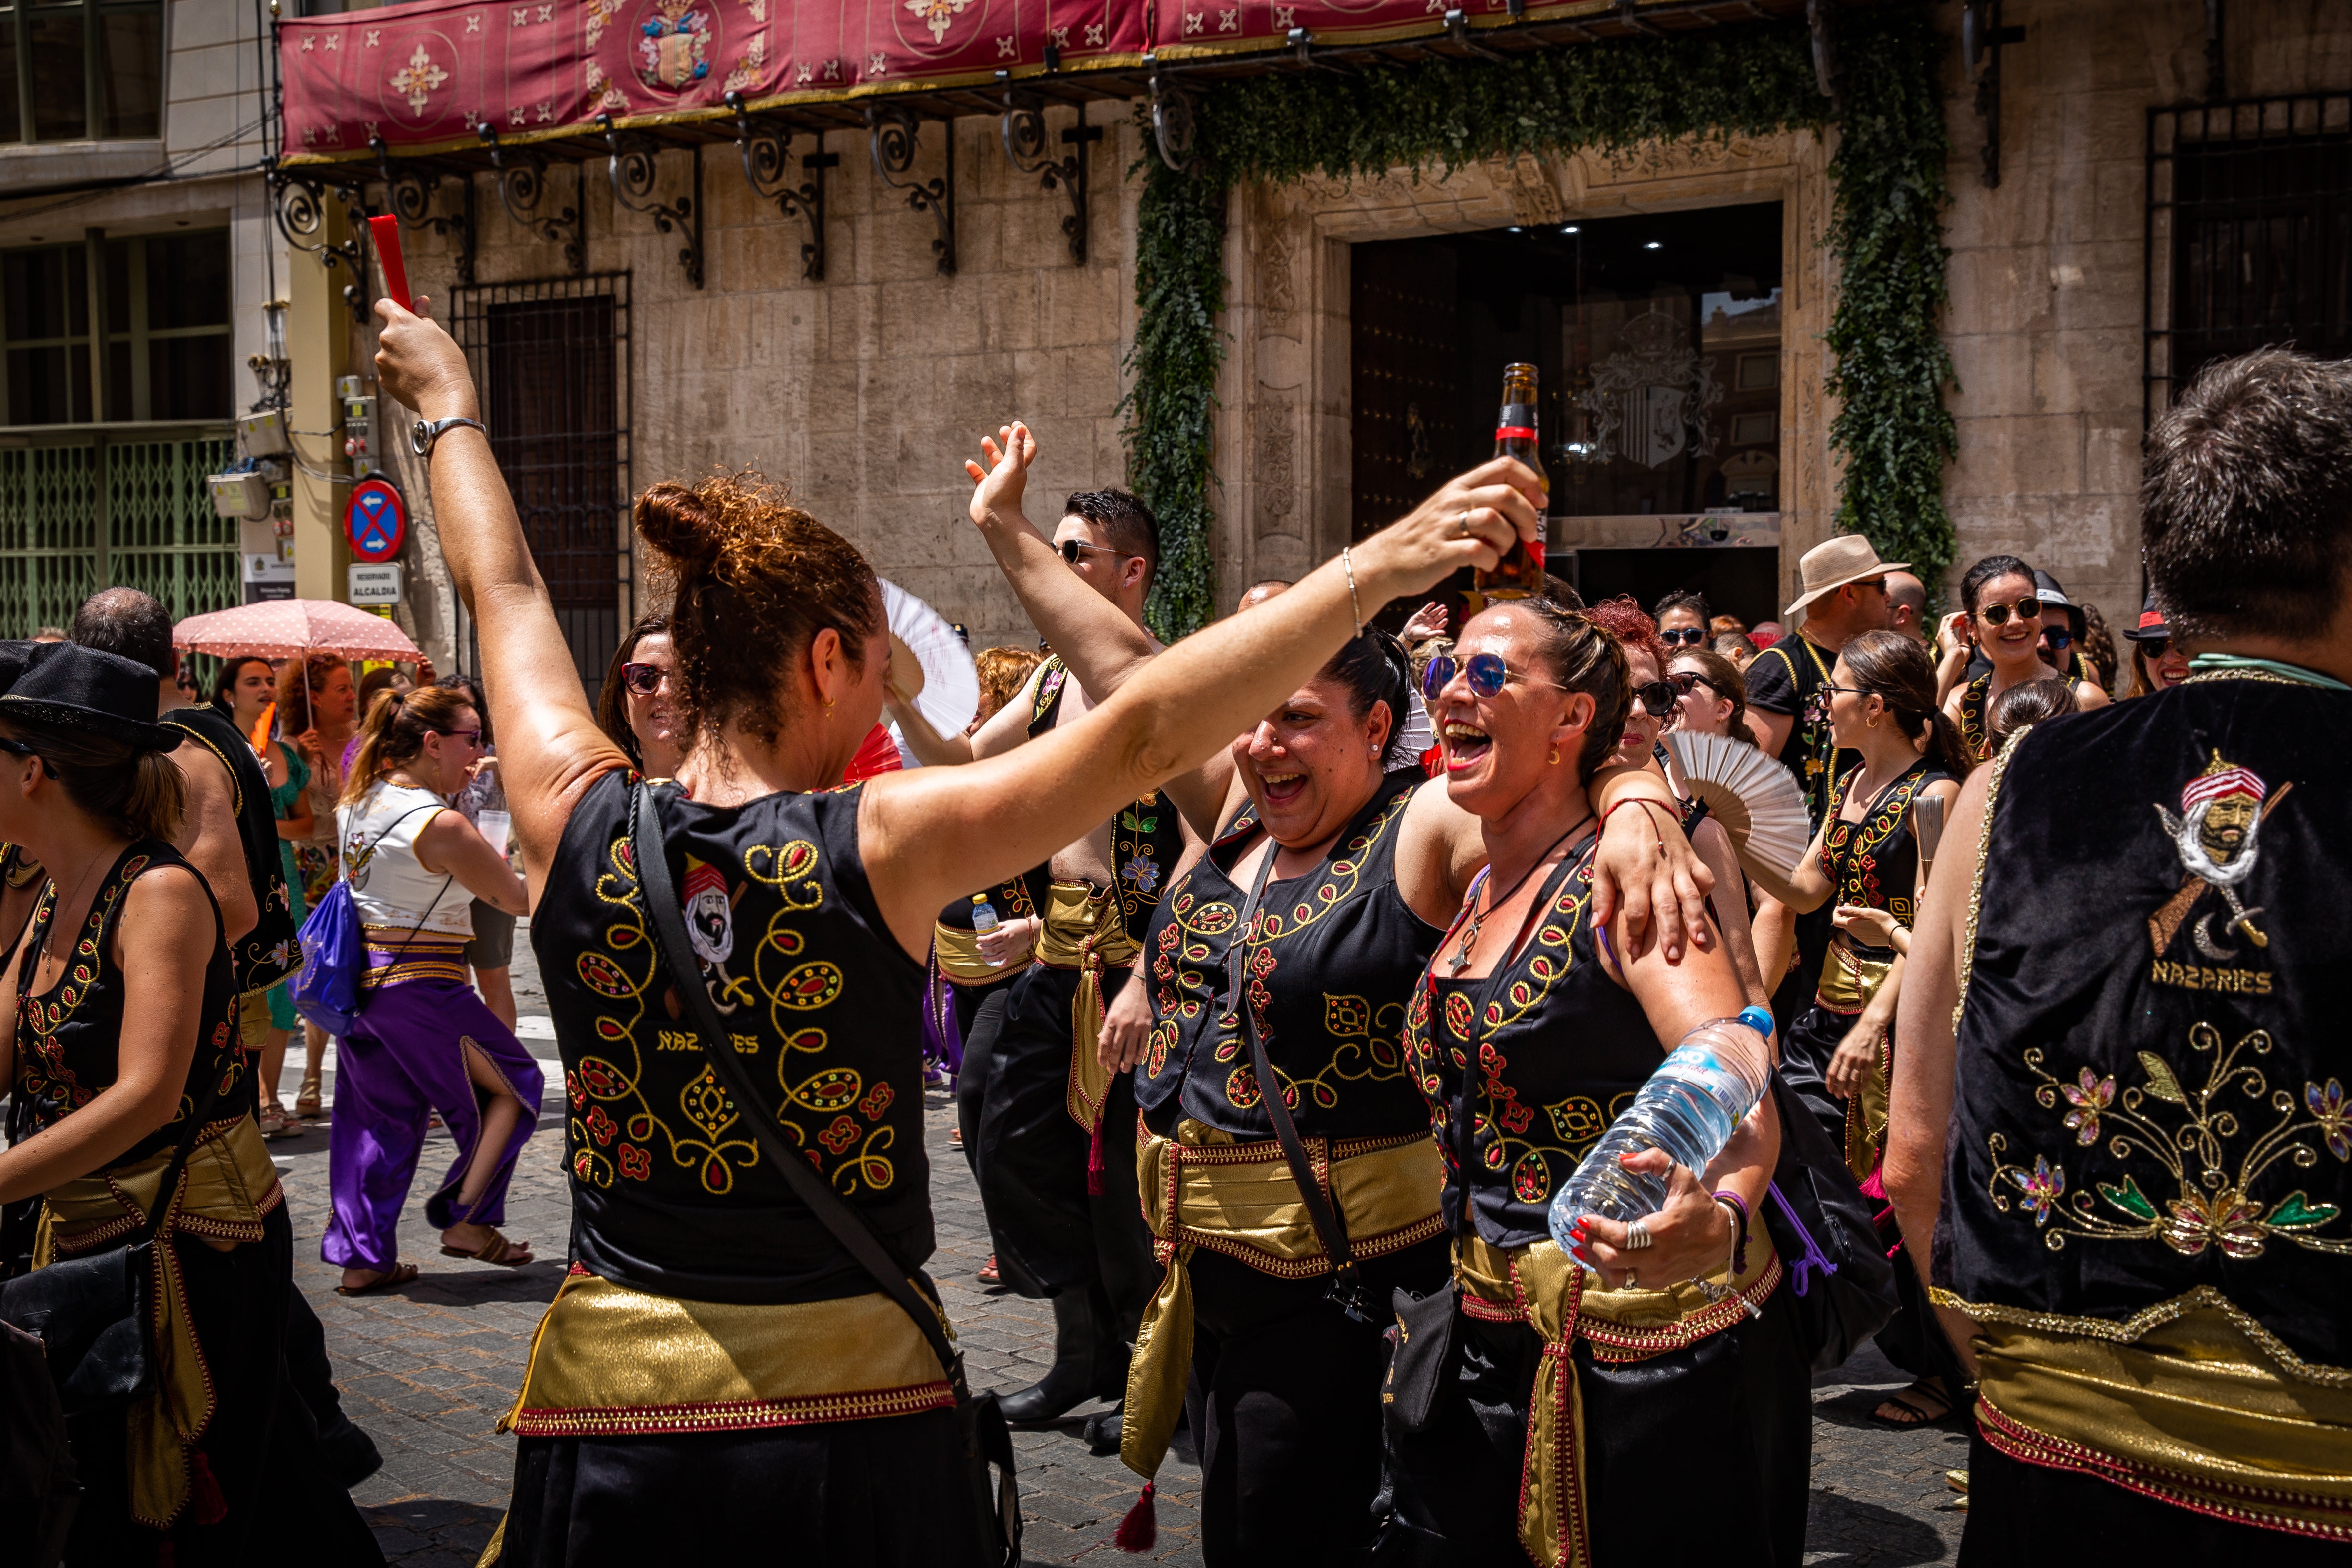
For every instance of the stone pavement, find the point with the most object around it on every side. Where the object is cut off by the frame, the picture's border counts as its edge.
(428, 1369)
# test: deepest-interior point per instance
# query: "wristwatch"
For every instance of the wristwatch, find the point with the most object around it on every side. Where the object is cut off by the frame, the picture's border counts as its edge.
(424, 431)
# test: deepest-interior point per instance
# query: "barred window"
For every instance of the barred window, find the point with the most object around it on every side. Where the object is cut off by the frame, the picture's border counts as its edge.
(162, 306)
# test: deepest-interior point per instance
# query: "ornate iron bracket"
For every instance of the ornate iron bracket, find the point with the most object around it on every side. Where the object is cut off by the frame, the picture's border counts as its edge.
(409, 193)
(1023, 127)
(1173, 131)
(1457, 28)
(1982, 37)
(766, 148)
(299, 202)
(891, 135)
(631, 165)
(522, 181)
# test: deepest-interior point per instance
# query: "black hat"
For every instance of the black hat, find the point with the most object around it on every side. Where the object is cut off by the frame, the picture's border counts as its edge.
(2048, 590)
(2151, 628)
(76, 687)
(16, 656)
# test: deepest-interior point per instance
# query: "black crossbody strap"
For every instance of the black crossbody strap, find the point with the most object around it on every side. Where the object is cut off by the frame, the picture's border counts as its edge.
(1346, 1287)
(856, 1237)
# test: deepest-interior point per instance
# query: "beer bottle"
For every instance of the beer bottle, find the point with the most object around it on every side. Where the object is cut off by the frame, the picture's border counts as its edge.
(1521, 572)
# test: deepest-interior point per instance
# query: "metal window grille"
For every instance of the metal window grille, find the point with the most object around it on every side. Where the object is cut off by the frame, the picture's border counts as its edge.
(2248, 234)
(552, 358)
(92, 512)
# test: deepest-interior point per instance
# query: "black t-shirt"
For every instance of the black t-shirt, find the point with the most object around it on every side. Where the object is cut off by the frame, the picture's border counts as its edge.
(1791, 678)
(272, 950)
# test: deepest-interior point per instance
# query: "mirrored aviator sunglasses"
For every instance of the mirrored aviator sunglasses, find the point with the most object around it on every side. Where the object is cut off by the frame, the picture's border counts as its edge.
(1486, 672)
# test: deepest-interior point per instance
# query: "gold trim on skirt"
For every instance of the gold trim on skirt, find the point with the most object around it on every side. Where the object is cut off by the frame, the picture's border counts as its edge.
(2191, 1402)
(1563, 1301)
(1201, 1188)
(1083, 932)
(609, 1359)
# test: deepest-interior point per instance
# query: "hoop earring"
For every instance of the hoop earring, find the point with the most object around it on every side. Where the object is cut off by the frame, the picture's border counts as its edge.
(828, 707)
(1555, 756)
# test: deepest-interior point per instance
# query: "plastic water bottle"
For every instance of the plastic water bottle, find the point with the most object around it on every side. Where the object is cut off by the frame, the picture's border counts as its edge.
(983, 914)
(1688, 1107)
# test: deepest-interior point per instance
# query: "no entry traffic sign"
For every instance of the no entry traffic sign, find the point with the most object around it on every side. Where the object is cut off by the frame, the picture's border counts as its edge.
(375, 520)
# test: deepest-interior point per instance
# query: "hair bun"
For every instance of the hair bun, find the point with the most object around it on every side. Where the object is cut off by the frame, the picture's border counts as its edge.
(673, 519)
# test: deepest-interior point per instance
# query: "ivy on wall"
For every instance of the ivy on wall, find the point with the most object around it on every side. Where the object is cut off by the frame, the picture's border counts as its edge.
(1886, 231)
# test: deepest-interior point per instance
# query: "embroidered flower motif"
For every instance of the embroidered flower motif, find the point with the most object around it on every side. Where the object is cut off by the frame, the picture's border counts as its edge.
(636, 1163)
(877, 1101)
(2326, 1107)
(577, 1095)
(840, 1135)
(1142, 873)
(2041, 1187)
(2090, 1096)
(601, 1126)
(2224, 1219)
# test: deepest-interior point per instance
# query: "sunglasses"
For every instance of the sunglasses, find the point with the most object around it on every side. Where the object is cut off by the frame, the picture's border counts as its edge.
(1682, 636)
(1486, 672)
(2150, 649)
(19, 749)
(1070, 548)
(1656, 697)
(643, 680)
(1685, 683)
(2028, 610)
(472, 737)
(2058, 640)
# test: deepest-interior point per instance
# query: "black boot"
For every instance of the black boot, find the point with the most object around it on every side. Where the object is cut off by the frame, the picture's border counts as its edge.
(1079, 1329)
(1103, 1430)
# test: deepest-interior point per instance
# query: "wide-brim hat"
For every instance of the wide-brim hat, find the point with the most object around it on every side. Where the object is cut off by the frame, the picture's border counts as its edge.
(16, 656)
(1827, 567)
(2152, 626)
(2050, 592)
(76, 687)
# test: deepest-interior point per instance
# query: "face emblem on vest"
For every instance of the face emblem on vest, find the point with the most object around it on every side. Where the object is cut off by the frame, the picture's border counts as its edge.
(710, 927)
(2218, 838)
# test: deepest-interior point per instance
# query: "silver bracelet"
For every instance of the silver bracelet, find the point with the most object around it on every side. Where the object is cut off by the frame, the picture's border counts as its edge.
(1354, 608)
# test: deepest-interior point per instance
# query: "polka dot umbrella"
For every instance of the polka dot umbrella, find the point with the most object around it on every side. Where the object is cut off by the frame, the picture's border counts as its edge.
(287, 628)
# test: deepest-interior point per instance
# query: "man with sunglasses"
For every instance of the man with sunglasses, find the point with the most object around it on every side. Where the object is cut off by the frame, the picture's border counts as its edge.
(1065, 1220)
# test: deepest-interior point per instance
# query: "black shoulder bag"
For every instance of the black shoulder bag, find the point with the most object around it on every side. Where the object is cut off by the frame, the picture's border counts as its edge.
(1840, 1282)
(986, 1438)
(1346, 1290)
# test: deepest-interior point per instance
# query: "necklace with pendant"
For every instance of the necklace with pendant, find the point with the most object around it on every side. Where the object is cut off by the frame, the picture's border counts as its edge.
(1461, 960)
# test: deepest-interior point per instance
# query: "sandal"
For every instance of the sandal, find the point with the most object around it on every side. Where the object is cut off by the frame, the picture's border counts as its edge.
(274, 1123)
(306, 1098)
(1921, 1404)
(955, 1137)
(988, 1275)
(498, 1250)
(398, 1274)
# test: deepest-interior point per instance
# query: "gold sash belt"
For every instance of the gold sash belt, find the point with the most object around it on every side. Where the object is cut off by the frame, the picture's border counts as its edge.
(1083, 932)
(1201, 1188)
(425, 955)
(1563, 1301)
(609, 1359)
(959, 960)
(227, 1188)
(2192, 1402)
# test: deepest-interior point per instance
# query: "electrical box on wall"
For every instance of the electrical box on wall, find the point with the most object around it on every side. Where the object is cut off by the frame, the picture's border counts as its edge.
(244, 495)
(263, 434)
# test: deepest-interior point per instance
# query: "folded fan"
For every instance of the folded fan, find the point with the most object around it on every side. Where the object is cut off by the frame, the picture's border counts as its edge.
(929, 665)
(1753, 796)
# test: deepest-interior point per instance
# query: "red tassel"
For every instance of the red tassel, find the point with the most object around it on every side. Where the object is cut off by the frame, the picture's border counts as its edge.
(1139, 1530)
(1096, 1167)
(164, 1556)
(206, 1503)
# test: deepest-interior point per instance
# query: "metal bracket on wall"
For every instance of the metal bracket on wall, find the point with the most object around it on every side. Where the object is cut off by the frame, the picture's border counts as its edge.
(522, 181)
(631, 165)
(891, 134)
(409, 193)
(299, 203)
(766, 148)
(1982, 37)
(1173, 130)
(1023, 128)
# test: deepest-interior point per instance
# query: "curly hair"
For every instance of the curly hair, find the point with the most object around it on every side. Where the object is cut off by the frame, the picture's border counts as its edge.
(1003, 672)
(754, 573)
(1626, 621)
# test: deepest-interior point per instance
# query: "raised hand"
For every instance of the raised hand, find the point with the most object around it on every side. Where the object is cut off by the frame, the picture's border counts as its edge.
(1429, 621)
(1471, 520)
(422, 366)
(998, 487)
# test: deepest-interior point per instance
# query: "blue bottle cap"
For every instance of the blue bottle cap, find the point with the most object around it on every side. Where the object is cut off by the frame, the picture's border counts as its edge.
(1757, 1019)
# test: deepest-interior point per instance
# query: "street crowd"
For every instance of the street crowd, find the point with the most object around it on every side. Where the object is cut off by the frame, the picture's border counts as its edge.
(1282, 976)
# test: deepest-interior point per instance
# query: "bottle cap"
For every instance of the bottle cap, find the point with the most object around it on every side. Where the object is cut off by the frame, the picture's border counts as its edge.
(1757, 1019)
(983, 897)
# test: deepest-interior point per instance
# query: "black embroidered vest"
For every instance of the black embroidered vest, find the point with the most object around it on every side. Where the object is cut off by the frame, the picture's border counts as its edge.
(1147, 838)
(1975, 725)
(69, 1036)
(2150, 1071)
(1561, 1050)
(1328, 970)
(670, 1191)
(1876, 862)
(271, 951)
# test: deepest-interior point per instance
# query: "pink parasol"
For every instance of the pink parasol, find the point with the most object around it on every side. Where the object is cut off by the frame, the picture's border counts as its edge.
(287, 628)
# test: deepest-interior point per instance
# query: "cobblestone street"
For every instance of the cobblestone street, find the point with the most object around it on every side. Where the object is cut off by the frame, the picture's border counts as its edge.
(428, 1369)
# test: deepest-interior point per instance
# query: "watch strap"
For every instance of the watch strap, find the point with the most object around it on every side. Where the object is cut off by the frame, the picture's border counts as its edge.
(425, 432)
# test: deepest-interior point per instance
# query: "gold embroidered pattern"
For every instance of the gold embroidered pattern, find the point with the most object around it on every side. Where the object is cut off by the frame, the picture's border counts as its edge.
(2214, 1205)
(2202, 1298)
(1976, 883)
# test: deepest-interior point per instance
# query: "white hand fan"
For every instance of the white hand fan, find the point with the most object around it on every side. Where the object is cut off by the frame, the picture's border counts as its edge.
(1753, 796)
(929, 665)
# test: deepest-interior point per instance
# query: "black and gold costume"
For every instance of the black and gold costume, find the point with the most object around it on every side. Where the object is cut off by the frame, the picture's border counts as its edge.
(207, 1428)
(1792, 677)
(1568, 1417)
(272, 950)
(976, 992)
(1283, 1391)
(1975, 725)
(2150, 1162)
(1063, 1211)
(1873, 863)
(713, 1342)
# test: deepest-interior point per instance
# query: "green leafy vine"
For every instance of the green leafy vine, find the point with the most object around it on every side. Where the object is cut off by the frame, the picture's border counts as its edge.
(1886, 232)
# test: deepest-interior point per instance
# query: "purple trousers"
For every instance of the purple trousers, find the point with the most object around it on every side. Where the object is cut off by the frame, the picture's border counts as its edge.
(402, 1061)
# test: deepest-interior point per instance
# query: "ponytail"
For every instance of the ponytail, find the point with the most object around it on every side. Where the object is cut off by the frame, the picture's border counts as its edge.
(397, 724)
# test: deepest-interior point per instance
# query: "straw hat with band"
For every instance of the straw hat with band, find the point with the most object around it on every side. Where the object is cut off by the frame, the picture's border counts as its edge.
(1830, 566)
(2152, 626)
(76, 687)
